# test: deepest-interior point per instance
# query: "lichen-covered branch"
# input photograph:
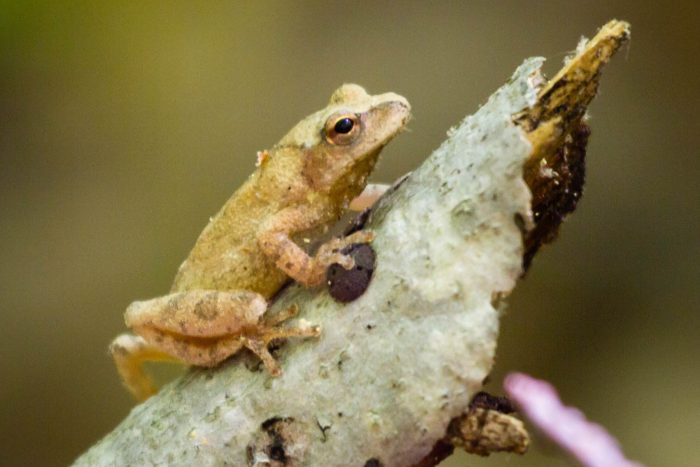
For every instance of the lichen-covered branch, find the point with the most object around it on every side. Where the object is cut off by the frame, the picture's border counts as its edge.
(394, 367)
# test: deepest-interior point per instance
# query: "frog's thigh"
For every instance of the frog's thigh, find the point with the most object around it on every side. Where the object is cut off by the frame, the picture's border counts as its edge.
(368, 197)
(207, 352)
(197, 313)
(129, 353)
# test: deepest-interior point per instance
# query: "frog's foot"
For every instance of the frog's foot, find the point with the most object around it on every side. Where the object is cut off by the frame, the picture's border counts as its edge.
(330, 252)
(278, 318)
(129, 353)
(265, 335)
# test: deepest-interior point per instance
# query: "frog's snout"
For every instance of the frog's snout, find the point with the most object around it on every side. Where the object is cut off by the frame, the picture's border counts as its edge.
(394, 113)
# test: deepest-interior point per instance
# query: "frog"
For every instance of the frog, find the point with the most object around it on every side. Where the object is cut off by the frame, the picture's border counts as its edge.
(252, 247)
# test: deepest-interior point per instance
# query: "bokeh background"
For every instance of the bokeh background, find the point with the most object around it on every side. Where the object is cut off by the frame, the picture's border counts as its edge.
(124, 125)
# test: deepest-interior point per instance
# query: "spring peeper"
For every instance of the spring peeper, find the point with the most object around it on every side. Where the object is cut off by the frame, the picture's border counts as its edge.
(217, 303)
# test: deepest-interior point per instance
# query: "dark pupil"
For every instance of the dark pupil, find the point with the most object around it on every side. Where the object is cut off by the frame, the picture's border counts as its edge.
(344, 125)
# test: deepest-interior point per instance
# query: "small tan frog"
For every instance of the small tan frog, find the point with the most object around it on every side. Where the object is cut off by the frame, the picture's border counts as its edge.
(245, 254)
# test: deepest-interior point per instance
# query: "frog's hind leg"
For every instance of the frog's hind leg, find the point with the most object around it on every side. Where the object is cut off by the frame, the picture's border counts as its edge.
(129, 353)
(205, 327)
(211, 352)
(261, 339)
(197, 313)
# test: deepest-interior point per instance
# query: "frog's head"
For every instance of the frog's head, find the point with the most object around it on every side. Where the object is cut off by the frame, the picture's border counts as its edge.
(341, 143)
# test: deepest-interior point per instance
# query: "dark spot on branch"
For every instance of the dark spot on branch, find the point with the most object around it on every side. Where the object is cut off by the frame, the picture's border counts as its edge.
(277, 451)
(276, 433)
(323, 429)
(358, 222)
(556, 181)
(520, 223)
(347, 285)
(484, 400)
(373, 462)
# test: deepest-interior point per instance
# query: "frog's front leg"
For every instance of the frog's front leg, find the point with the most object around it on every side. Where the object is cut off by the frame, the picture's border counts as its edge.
(198, 327)
(275, 241)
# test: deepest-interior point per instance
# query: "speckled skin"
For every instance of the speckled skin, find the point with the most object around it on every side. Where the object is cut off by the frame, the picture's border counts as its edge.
(247, 251)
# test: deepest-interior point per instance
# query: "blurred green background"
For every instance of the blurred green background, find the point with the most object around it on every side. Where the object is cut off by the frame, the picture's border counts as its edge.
(124, 125)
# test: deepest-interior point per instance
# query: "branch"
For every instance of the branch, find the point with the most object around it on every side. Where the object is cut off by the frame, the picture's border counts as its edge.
(394, 367)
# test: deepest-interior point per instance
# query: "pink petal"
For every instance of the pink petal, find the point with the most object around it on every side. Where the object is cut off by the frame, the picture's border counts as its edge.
(586, 441)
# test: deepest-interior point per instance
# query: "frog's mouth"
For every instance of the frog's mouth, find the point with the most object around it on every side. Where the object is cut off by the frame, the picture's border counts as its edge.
(389, 119)
(385, 120)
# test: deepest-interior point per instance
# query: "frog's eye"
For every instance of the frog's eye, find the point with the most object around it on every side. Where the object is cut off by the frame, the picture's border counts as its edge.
(342, 129)
(344, 125)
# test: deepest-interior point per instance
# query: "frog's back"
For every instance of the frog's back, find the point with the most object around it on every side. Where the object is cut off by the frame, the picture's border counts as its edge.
(226, 255)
